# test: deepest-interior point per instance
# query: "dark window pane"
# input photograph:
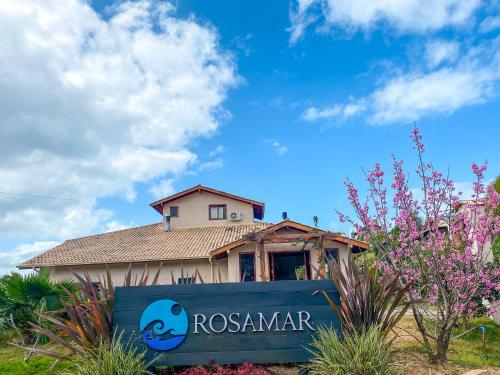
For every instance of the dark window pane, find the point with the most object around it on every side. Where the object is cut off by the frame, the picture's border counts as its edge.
(174, 211)
(332, 255)
(247, 267)
(185, 280)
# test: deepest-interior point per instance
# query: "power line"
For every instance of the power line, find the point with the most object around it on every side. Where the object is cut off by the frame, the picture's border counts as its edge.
(39, 196)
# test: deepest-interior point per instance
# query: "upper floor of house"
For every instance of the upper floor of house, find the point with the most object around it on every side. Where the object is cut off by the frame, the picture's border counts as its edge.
(204, 206)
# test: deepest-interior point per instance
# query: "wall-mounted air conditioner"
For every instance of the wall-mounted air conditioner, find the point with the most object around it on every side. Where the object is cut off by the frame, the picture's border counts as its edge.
(235, 216)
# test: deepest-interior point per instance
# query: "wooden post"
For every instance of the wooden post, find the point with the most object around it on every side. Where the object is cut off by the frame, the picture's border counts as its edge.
(323, 257)
(260, 250)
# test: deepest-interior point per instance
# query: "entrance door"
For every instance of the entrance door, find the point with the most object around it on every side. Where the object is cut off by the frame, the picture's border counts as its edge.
(284, 264)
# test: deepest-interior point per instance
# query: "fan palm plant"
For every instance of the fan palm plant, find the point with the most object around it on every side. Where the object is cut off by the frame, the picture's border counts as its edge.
(22, 297)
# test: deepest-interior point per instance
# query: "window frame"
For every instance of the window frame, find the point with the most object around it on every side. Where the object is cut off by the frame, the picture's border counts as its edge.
(327, 263)
(210, 206)
(187, 280)
(254, 266)
(170, 211)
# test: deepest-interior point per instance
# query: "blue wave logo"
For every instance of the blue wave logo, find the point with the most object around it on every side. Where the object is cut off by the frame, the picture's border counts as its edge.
(164, 325)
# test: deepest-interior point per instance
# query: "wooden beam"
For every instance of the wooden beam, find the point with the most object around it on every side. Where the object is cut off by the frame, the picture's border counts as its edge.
(262, 260)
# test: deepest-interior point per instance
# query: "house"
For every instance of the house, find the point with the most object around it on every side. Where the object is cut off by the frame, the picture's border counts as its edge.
(206, 235)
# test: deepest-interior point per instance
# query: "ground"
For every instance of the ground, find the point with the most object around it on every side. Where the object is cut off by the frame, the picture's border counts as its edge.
(466, 354)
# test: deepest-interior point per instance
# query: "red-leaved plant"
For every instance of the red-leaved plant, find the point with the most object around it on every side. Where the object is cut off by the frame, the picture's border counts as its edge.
(247, 368)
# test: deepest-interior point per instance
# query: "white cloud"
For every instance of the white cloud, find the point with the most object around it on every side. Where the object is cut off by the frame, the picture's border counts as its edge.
(409, 96)
(11, 258)
(416, 16)
(92, 106)
(279, 148)
(115, 225)
(300, 18)
(336, 111)
(490, 24)
(163, 188)
(211, 165)
(216, 151)
(439, 51)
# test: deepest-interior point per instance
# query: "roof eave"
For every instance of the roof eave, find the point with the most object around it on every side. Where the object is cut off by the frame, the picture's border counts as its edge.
(258, 207)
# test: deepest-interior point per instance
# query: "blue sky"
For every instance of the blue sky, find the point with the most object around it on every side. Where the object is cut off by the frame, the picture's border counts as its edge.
(274, 100)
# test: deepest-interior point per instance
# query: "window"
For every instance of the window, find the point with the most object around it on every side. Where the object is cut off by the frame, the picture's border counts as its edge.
(185, 280)
(247, 267)
(217, 212)
(332, 255)
(174, 211)
(97, 286)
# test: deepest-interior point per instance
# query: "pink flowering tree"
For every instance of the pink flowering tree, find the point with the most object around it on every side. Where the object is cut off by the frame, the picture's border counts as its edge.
(438, 243)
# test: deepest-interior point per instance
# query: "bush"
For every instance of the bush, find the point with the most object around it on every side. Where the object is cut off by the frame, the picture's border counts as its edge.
(111, 358)
(363, 353)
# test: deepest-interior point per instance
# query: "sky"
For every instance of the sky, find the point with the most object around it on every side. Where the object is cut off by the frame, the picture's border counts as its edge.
(108, 106)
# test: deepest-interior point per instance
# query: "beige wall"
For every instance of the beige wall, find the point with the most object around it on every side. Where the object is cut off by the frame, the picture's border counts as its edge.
(118, 271)
(193, 210)
(223, 270)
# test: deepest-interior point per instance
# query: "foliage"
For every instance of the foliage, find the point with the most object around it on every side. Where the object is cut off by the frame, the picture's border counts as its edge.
(367, 300)
(246, 368)
(111, 357)
(436, 243)
(86, 317)
(300, 273)
(361, 353)
(23, 297)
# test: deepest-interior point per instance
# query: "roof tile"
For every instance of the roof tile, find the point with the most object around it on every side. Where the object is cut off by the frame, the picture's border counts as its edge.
(145, 243)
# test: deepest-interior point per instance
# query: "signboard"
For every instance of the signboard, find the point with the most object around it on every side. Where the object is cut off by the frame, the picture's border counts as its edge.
(228, 323)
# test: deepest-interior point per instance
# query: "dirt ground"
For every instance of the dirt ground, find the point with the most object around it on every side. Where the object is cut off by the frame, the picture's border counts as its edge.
(411, 363)
(416, 368)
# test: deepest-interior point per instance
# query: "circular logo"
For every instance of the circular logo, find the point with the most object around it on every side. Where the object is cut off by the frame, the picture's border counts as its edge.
(164, 325)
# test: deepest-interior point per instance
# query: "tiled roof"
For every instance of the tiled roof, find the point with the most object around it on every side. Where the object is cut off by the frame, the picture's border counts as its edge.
(145, 243)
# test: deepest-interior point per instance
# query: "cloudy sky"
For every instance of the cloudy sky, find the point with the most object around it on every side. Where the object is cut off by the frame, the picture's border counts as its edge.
(107, 106)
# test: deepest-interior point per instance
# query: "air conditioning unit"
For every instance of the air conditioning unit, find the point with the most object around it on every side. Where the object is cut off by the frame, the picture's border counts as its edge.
(235, 216)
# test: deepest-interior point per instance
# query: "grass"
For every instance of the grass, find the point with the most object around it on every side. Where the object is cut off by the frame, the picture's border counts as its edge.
(465, 351)
(468, 349)
(12, 363)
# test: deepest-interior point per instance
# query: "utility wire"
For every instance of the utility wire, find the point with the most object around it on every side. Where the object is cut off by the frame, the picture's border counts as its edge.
(38, 196)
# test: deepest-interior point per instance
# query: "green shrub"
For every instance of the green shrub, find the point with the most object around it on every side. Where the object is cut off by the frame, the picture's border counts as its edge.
(111, 358)
(363, 353)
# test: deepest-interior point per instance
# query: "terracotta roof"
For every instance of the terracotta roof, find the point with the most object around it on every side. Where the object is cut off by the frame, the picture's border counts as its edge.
(141, 244)
(258, 207)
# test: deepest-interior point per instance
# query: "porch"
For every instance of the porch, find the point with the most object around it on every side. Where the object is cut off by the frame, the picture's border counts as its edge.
(285, 251)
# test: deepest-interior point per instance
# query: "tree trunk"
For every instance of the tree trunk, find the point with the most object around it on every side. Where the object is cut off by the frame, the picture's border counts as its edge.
(442, 344)
(423, 332)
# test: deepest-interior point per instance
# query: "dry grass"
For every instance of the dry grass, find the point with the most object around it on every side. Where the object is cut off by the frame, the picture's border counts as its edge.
(466, 353)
